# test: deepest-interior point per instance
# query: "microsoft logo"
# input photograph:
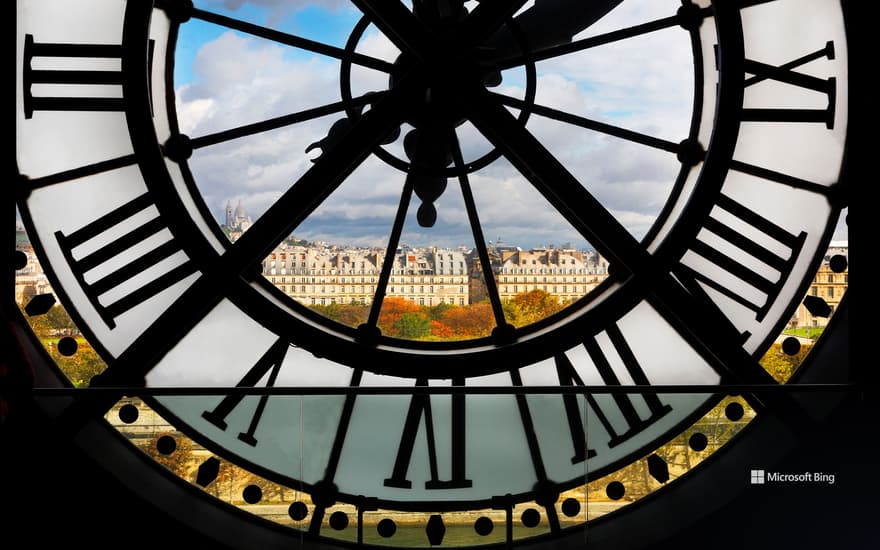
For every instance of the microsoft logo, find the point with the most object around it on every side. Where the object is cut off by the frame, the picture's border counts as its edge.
(757, 477)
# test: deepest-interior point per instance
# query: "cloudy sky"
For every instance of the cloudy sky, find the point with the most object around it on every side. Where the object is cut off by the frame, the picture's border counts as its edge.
(225, 79)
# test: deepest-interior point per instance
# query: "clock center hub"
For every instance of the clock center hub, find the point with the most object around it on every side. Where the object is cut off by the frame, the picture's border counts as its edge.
(444, 84)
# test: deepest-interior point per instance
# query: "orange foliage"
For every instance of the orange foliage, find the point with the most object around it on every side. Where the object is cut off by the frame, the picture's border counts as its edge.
(441, 331)
(471, 321)
(392, 310)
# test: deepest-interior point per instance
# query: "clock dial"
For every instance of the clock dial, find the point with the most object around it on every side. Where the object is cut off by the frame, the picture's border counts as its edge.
(118, 198)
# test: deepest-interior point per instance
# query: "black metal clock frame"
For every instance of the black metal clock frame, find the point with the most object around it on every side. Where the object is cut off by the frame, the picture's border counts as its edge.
(229, 275)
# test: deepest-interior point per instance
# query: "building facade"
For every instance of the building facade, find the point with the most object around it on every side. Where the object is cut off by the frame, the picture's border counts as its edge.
(830, 285)
(566, 273)
(30, 280)
(324, 276)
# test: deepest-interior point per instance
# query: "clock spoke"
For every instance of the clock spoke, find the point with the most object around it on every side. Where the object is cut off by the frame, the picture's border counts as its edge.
(323, 494)
(712, 335)
(541, 54)
(293, 40)
(285, 120)
(564, 192)
(614, 241)
(546, 496)
(487, 18)
(80, 172)
(399, 25)
(779, 177)
(319, 182)
(370, 328)
(477, 230)
(589, 124)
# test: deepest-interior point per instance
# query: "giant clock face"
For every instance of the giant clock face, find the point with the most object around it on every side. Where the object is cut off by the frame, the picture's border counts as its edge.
(116, 208)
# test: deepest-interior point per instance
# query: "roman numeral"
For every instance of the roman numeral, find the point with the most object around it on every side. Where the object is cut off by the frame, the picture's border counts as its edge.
(70, 79)
(108, 239)
(786, 74)
(568, 376)
(734, 271)
(420, 407)
(270, 362)
(634, 422)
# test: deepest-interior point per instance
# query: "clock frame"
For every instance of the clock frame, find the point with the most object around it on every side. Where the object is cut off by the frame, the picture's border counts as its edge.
(206, 259)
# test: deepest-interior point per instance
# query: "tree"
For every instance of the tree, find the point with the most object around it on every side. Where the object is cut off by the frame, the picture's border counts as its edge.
(180, 461)
(781, 365)
(392, 309)
(80, 367)
(272, 492)
(530, 307)
(436, 312)
(351, 315)
(413, 326)
(441, 331)
(58, 320)
(471, 321)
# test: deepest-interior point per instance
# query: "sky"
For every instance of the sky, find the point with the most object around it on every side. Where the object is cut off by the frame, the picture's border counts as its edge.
(224, 79)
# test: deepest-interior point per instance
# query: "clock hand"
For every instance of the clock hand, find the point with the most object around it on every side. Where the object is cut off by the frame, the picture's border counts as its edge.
(399, 25)
(543, 27)
(410, 34)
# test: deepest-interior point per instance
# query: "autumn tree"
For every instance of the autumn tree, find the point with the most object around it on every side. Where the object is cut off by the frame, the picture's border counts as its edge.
(441, 331)
(81, 366)
(53, 322)
(780, 364)
(59, 320)
(271, 491)
(471, 321)
(180, 460)
(530, 307)
(393, 309)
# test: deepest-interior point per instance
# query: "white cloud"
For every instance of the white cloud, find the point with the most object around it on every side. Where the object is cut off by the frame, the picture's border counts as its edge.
(278, 9)
(240, 80)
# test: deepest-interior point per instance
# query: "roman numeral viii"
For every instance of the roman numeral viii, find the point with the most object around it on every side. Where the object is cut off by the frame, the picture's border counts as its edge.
(92, 87)
(110, 252)
(625, 418)
(786, 74)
